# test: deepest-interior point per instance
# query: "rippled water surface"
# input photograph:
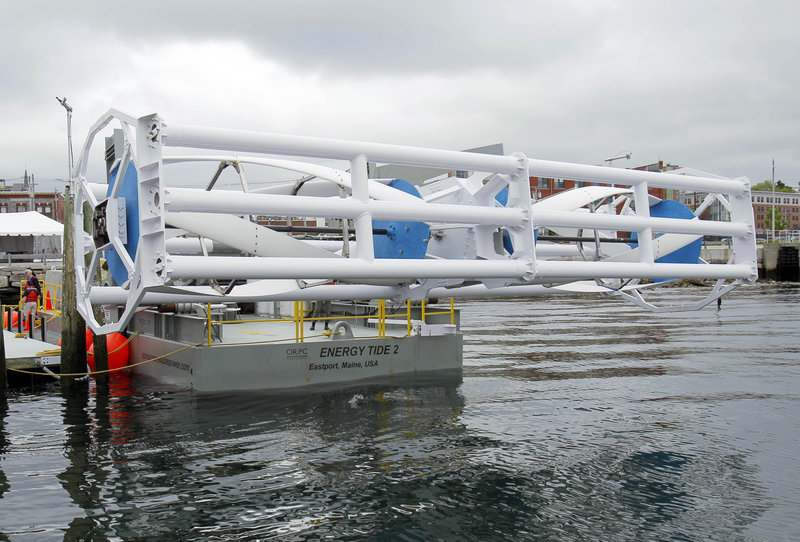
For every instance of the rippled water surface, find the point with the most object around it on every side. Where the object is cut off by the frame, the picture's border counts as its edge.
(573, 420)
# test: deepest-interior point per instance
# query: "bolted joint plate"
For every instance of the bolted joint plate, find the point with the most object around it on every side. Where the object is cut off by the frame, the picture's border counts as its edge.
(522, 236)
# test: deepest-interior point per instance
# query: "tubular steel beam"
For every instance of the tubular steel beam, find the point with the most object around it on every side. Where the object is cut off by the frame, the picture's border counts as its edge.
(345, 268)
(632, 177)
(177, 135)
(189, 200)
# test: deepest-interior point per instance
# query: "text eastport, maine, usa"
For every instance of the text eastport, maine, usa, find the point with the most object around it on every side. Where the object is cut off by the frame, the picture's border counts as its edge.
(352, 352)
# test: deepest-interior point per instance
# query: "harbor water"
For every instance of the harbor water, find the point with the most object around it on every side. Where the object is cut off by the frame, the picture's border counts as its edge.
(573, 419)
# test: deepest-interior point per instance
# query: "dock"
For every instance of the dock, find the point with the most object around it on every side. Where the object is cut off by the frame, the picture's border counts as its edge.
(27, 354)
(776, 261)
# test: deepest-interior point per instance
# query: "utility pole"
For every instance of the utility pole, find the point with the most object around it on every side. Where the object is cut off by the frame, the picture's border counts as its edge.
(73, 335)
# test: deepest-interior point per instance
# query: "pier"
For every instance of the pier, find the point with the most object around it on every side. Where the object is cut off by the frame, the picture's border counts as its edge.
(776, 261)
(24, 353)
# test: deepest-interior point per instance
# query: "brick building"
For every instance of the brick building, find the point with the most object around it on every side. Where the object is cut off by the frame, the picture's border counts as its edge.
(22, 196)
(50, 204)
(541, 187)
(787, 205)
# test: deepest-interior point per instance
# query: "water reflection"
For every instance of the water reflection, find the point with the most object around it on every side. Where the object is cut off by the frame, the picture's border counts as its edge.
(253, 463)
(651, 484)
(82, 476)
(562, 429)
(93, 423)
(534, 373)
(370, 462)
(4, 486)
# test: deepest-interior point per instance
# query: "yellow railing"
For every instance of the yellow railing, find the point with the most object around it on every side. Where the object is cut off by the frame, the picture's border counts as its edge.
(299, 319)
(22, 285)
(299, 313)
(451, 312)
(44, 314)
(54, 299)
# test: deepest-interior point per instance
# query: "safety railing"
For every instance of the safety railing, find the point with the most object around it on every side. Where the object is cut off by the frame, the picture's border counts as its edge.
(299, 319)
(451, 312)
(49, 302)
(42, 256)
(52, 301)
(782, 236)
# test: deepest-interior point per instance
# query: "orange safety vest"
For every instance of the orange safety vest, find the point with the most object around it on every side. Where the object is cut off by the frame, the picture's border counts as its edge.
(32, 292)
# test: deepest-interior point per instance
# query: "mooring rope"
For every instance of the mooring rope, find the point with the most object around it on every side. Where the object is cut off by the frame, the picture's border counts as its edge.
(129, 339)
(89, 373)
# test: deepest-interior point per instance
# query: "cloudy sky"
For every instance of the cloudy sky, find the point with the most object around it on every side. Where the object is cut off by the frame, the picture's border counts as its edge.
(711, 85)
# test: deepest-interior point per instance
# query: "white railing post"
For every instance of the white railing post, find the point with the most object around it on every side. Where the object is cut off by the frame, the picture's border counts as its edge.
(360, 188)
(642, 200)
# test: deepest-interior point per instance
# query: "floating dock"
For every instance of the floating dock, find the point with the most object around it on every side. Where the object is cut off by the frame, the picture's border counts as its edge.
(27, 354)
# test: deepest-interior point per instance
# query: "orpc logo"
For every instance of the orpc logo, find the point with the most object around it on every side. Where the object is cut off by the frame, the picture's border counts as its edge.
(297, 352)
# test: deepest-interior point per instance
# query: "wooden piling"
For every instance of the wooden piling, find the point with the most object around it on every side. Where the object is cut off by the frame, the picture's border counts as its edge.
(98, 341)
(73, 334)
(100, 354)
(101, 359)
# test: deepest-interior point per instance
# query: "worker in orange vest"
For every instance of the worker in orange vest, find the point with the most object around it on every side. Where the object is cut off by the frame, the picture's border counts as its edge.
(31, 294)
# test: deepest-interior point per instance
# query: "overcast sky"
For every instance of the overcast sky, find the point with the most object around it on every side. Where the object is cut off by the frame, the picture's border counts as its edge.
(707, 85)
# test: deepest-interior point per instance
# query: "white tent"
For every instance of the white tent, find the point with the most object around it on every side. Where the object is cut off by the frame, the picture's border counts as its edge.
(30, 233)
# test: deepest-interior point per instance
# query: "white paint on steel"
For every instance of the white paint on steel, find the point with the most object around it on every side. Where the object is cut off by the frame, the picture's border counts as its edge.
(574, 199)
(467, 223)
(186, 267)
(363, 222)
(636, 223)
(317, 147)
(337, 176)
(245, 235)
(238, 203)
(632, 177)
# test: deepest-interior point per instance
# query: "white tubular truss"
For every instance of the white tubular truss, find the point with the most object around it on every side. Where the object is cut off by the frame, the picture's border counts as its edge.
(154, 272)
(182, 200)
(359, 207)
(291, 145)
(633, 177)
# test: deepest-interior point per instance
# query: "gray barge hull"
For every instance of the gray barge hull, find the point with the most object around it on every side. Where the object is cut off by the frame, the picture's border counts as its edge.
(284, 366)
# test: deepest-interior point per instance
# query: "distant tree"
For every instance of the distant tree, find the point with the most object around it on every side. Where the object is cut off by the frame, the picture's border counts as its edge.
(781, 223)
(766, 186)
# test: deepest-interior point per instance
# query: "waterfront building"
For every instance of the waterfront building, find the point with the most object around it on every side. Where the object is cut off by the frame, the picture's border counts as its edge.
(21, 197)
(787, 205)
(542, 187)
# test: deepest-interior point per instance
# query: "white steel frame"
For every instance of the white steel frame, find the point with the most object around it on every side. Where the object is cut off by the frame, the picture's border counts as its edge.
(153, 269)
